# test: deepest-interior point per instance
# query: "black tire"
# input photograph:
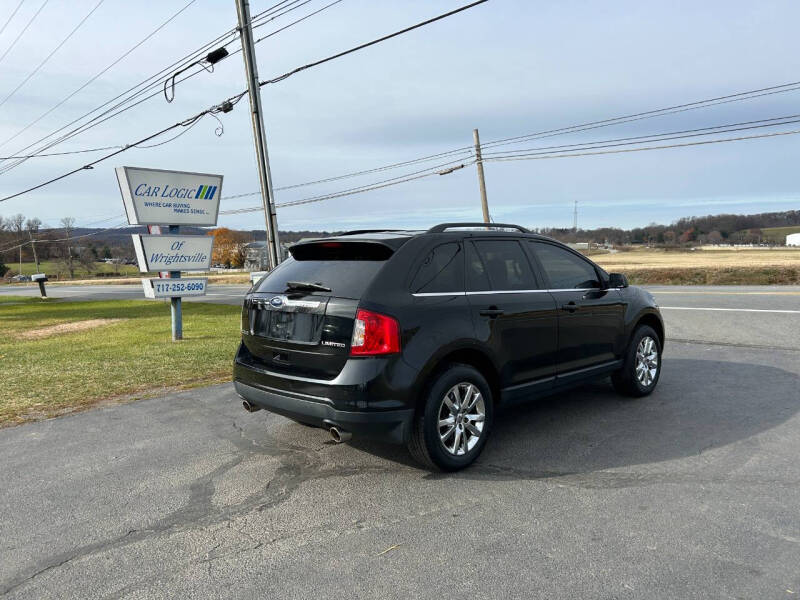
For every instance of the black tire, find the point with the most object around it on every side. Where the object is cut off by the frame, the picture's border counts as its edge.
(426, 445)
(626, 381)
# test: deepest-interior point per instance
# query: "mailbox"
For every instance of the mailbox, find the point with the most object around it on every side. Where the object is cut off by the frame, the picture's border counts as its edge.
(40, 278)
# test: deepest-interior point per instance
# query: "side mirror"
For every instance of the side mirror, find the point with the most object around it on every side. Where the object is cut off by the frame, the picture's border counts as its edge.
(617, 280)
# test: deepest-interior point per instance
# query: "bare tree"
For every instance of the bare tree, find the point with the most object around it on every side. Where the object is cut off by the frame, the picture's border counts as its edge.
(86, 259)
(69, 224)
(119, 256)
(16, 223)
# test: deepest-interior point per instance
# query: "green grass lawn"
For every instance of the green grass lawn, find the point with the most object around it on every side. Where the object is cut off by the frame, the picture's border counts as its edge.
(55, 268)
(131, 358)
(778, 234)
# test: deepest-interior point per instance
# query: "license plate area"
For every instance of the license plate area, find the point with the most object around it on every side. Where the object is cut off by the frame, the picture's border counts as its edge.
(292, 321)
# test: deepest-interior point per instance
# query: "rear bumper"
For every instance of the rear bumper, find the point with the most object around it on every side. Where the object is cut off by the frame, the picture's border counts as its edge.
(391, 426)
(370, 397)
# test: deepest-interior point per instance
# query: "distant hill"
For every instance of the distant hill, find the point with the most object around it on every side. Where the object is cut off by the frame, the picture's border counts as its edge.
(770, 228)
(713, 229)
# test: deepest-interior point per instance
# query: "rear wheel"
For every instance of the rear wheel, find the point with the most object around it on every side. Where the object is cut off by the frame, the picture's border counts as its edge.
(450, 429)
(642, 367)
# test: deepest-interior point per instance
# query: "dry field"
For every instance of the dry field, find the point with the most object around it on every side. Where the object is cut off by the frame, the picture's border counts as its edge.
(703, 258)
(722, 266)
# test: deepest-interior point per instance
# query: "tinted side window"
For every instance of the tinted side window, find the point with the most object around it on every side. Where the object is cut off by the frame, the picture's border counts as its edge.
(477, 279)
(564, 269)
(441, 270)
(506, 265)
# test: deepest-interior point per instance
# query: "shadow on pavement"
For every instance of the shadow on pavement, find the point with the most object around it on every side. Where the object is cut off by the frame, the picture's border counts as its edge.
(698, 405)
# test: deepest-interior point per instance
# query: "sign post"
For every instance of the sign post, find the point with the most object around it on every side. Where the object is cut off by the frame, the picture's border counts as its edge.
(176, 309)
(159, 198)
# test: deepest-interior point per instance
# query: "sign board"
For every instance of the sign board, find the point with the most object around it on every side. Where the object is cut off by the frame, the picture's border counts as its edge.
(172, 288)
(156, 197)
(173, 252)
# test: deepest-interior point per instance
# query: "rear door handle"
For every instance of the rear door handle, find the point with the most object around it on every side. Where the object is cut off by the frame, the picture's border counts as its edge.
(570, 307)
(491, 312)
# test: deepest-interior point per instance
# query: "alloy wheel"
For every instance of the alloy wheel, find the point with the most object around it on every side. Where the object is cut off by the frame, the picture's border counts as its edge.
(462, 414)
(646, 361)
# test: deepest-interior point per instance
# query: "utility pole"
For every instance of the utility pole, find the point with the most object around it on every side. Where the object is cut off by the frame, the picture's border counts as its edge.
(33, 248)
(259, 137)
(575, 218)
(481, 179)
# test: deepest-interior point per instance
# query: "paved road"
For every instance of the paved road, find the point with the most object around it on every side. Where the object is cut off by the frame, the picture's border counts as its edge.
(690, 493)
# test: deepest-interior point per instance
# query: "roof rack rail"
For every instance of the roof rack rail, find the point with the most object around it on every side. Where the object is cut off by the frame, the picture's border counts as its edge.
(445, 226)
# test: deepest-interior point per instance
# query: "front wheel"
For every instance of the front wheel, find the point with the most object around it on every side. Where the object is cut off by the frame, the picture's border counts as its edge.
(642, 367)
(451, 427)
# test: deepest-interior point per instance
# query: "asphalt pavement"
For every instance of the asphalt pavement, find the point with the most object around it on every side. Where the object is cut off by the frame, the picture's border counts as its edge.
(689, 493)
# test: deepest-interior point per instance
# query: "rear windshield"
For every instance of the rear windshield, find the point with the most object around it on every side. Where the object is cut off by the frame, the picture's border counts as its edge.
(346, 268)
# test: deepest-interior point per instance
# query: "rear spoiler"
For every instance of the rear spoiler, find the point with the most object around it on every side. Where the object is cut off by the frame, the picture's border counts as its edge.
(335, 249)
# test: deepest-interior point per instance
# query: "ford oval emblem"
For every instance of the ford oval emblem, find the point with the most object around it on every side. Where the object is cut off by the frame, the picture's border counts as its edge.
(276, 301)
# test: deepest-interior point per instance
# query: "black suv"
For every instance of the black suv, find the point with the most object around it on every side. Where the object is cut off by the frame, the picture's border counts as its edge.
(416, 336)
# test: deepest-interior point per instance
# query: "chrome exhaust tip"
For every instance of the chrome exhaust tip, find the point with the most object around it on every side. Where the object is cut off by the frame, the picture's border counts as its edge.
(339, 436)
(251, 408)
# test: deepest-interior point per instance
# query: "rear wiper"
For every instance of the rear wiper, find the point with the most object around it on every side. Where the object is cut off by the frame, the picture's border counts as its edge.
(307, 285)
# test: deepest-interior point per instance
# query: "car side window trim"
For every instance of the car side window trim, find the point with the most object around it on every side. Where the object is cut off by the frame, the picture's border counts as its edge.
(484, 292)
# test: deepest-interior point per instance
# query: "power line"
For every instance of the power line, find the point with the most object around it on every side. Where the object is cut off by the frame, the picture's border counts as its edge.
(24, 29)
(737, 97)
(95, 121)
(90, 165)
(268, 11)
(49, 56)
(229, 103)
(272, 14)
(69, 239)
(348, 175)
(370, 43)
(79, 129)
(65, 153)
(469, 153)
(627, 150)
(259, 21)
(188, 59)
(544, 154)
(451, 166)
(96, 76)
(13, 14)
(700, 131)
(300, 20)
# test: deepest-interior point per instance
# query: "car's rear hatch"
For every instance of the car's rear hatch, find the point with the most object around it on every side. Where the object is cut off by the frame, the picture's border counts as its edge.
(299, 318)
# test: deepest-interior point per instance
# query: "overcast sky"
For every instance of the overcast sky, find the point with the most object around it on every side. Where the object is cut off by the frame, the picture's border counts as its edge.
(508, 67)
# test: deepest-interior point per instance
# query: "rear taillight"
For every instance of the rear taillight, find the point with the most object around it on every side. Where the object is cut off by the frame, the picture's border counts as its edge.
(374, 333)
